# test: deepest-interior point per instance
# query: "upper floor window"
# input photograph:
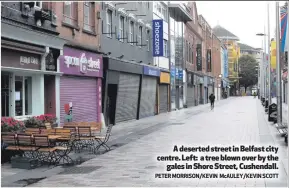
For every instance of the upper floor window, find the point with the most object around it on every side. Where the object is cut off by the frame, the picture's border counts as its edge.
(121, 28)
(148, 40)
(109, 23)
(131, 32)
(70, 12)
(139, 36)
(165, 13)
(88, 16)
(165, 48)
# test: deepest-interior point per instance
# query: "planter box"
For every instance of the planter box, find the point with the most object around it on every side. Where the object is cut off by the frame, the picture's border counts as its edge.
(24, 163)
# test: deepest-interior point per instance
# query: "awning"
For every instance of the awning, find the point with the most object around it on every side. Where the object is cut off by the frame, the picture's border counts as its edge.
(179, 13)
(31, 36)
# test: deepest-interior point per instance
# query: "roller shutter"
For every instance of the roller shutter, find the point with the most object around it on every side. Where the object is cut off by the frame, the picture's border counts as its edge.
(190, 96)
(163, 98)
(82, 92)
(127, 97)
(148, 97)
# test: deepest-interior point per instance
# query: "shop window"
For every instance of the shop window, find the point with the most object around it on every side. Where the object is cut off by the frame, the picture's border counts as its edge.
(88, 16)
(121, 28)
(23, 95)
(70, 13)
(109, 23)
(38, 4)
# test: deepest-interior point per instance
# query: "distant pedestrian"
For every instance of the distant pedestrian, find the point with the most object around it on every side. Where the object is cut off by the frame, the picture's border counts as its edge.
(212, 100)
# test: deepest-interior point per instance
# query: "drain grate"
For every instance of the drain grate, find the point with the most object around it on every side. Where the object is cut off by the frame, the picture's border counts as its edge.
(80, 170)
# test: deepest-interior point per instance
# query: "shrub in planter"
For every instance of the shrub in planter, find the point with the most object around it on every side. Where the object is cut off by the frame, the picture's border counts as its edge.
(47, 120)
(32, 122)
(9, 124)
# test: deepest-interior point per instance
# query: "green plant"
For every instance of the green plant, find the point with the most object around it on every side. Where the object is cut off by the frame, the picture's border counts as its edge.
(32, 122)
(10, 124)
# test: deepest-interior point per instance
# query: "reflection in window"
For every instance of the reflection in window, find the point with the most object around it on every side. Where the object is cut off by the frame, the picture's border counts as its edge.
(23, 96)
(18, 95)
(28, 96)
(5, 97)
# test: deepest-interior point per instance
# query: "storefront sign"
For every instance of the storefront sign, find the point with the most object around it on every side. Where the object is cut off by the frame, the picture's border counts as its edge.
(173, 71)
(209, 61)
(18, 59)
(158, 39)
(199, 57)
(165, 77)
(151, 71)
(81, 63)
(179, 74)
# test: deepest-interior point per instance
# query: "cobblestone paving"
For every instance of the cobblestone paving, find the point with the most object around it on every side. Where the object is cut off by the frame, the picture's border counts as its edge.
(237, 122)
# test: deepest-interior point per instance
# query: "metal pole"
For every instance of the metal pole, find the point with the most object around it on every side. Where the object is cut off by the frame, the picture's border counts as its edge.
(279, 86)
(265, 66)
(169, 49)
(287, 66)
(262, 73)
(269, 62)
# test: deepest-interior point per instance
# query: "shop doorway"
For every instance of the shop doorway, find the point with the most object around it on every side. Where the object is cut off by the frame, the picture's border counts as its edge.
(49, 94)
(111, 103)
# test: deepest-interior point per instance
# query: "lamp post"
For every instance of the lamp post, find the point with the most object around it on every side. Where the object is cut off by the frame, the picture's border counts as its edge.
(219, 85)
(262, 69)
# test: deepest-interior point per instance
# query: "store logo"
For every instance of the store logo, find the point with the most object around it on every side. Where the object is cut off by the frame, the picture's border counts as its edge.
(158, 38)
(28, 60)
(83, 63)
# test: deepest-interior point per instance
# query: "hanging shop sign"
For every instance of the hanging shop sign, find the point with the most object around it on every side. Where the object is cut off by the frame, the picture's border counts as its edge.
(158, 38)
(165, 78)
(199, 57)
(209, 61)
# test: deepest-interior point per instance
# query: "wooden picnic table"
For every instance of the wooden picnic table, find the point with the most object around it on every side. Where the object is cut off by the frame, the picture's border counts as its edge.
(54, 137)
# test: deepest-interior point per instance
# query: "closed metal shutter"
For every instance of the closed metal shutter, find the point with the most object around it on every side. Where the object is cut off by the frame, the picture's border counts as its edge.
(127, 97)
(190, 96)
(82, 92)
(148, 97)
(163, 98)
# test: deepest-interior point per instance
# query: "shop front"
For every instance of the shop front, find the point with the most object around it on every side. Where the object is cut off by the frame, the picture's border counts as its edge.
(164, 92)
(179, 89)
(200, 89)
(148, 94)
(80, 85)
(28, 79)
(206, 90)
(122, 90)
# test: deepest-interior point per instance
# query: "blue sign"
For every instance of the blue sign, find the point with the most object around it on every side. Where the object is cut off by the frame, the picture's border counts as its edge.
(180, 74)
(173, 71)
(158, 39)
(151, 71)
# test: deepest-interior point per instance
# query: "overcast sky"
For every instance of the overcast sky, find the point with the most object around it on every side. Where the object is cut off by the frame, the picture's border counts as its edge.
(242, 18)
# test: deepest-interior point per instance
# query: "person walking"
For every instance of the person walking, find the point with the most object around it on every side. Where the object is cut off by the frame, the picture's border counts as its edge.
(212, 100)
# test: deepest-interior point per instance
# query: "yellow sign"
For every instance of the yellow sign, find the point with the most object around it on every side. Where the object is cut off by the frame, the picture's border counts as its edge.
(273, 55)
(165, 78)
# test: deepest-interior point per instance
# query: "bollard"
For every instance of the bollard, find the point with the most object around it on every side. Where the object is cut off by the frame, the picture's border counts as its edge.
(266, 105)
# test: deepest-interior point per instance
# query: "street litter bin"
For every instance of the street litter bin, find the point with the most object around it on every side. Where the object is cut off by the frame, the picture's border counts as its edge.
(272, 112)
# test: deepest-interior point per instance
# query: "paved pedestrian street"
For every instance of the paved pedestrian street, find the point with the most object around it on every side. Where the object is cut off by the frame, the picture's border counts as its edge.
(234, 121)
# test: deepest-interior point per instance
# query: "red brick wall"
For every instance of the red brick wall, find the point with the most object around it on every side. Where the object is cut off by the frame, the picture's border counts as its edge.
(79, 37)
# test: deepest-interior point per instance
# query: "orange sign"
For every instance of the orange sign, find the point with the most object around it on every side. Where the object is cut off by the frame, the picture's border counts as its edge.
(165, 78)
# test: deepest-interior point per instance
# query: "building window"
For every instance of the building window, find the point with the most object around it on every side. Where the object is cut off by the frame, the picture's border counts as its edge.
(192, 57)
(139, 36)
(164, 13)
(109, 23)
(131, 32)
(148, 40)
(88, 16)
(121, 28)
(165, 48)
(70, 13)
